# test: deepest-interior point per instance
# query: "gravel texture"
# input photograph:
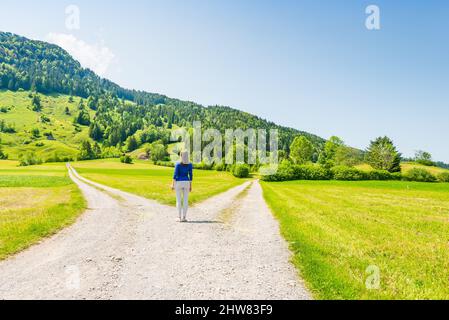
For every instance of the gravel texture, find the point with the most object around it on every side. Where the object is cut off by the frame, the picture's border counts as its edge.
(128, 247)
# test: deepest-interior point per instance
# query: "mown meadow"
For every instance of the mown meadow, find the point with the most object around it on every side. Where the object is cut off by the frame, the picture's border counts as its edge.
(341, 232)
(35, 202)
(153, 182)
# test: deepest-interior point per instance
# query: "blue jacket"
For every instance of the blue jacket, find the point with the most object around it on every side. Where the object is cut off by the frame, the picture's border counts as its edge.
(183, 172)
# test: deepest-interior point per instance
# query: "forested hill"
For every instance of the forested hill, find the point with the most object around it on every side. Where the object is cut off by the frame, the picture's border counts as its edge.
(46, 68)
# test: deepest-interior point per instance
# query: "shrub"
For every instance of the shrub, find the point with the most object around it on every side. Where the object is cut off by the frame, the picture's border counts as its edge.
(7, 128)
(3, 156)
(110, 152)
(203, 166)
(285, 172)
(420, 175)
(157, 151)
(83, 118)
(443, 177)
(348, 174)
(36, 103)
(311, 172)
(383, 175)
(45, 119)
(35, 133)
(397, 176)
(126, 159)
(219, 167)
(29, 159)
(241, 171)
(288, 171)
(426, 162)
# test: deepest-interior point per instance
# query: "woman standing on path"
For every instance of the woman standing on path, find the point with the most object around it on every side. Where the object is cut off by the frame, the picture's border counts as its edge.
(182, 183)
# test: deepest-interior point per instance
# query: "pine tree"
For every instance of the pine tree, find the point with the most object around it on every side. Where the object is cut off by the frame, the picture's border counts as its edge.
(3, 156)
(83, 118)
(382, 155)
(36, 103)
(132, 144)
(95, 131)
(86, 152)
(96, 151)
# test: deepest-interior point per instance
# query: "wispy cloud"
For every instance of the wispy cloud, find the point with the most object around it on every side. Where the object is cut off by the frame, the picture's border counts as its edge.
(96, 57)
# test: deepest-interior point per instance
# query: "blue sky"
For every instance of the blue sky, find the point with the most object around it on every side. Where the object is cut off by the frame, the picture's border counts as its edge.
(311, 65)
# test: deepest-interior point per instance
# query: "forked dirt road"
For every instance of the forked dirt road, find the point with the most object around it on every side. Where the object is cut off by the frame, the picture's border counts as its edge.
(128, 247)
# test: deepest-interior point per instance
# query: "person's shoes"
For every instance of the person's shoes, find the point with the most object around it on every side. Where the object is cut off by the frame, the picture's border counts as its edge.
(184, 220)
(178, 220)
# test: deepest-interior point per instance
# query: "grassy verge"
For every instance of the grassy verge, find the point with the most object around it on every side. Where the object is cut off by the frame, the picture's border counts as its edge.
(35, 202)
(337, 230)
(153, 182)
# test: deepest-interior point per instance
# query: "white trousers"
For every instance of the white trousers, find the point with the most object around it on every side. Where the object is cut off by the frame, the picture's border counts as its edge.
(182, 197)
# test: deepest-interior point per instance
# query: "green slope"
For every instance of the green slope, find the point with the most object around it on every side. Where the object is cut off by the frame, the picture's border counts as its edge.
(66, 135)
(48, 69)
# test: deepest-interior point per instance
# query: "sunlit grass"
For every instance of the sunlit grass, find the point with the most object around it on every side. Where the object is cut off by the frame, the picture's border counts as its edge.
(153, 182)
(407, 166)
(24, 119)
(337, 229)
(35, 202)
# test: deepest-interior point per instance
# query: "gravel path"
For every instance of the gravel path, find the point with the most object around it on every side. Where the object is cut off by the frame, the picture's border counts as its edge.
(128, 247)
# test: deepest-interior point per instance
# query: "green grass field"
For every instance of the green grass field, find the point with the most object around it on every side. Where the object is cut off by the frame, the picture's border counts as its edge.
(153, 182)
(338, 229)
(24, 119)
(35, 202)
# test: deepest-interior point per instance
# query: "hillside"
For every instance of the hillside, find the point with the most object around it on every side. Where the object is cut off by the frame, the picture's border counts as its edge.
(48, 132)
(115, 113)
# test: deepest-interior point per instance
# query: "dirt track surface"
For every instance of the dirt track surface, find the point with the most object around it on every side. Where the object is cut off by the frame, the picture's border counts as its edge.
(128, 247)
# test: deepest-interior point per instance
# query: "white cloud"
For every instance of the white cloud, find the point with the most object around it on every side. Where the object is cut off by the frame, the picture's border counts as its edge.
(96, 57)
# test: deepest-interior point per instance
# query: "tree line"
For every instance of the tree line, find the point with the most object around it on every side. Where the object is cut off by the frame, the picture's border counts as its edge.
(45, 68)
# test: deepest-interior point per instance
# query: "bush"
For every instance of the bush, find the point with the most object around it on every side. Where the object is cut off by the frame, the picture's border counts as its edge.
(426, 162)
(6, 128)
(169, 164)
(203, 166)
(126, 159)
(288, 171)
(285, 172)
(157, 151)
(45, 119)
(420, 175)
(348, 174)
(241, 171)
(3, 156)
(219, 167)
(443, 177)
(110, 152)
(29, 159)
(35, 133)
(311, 172)
(383, 175)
